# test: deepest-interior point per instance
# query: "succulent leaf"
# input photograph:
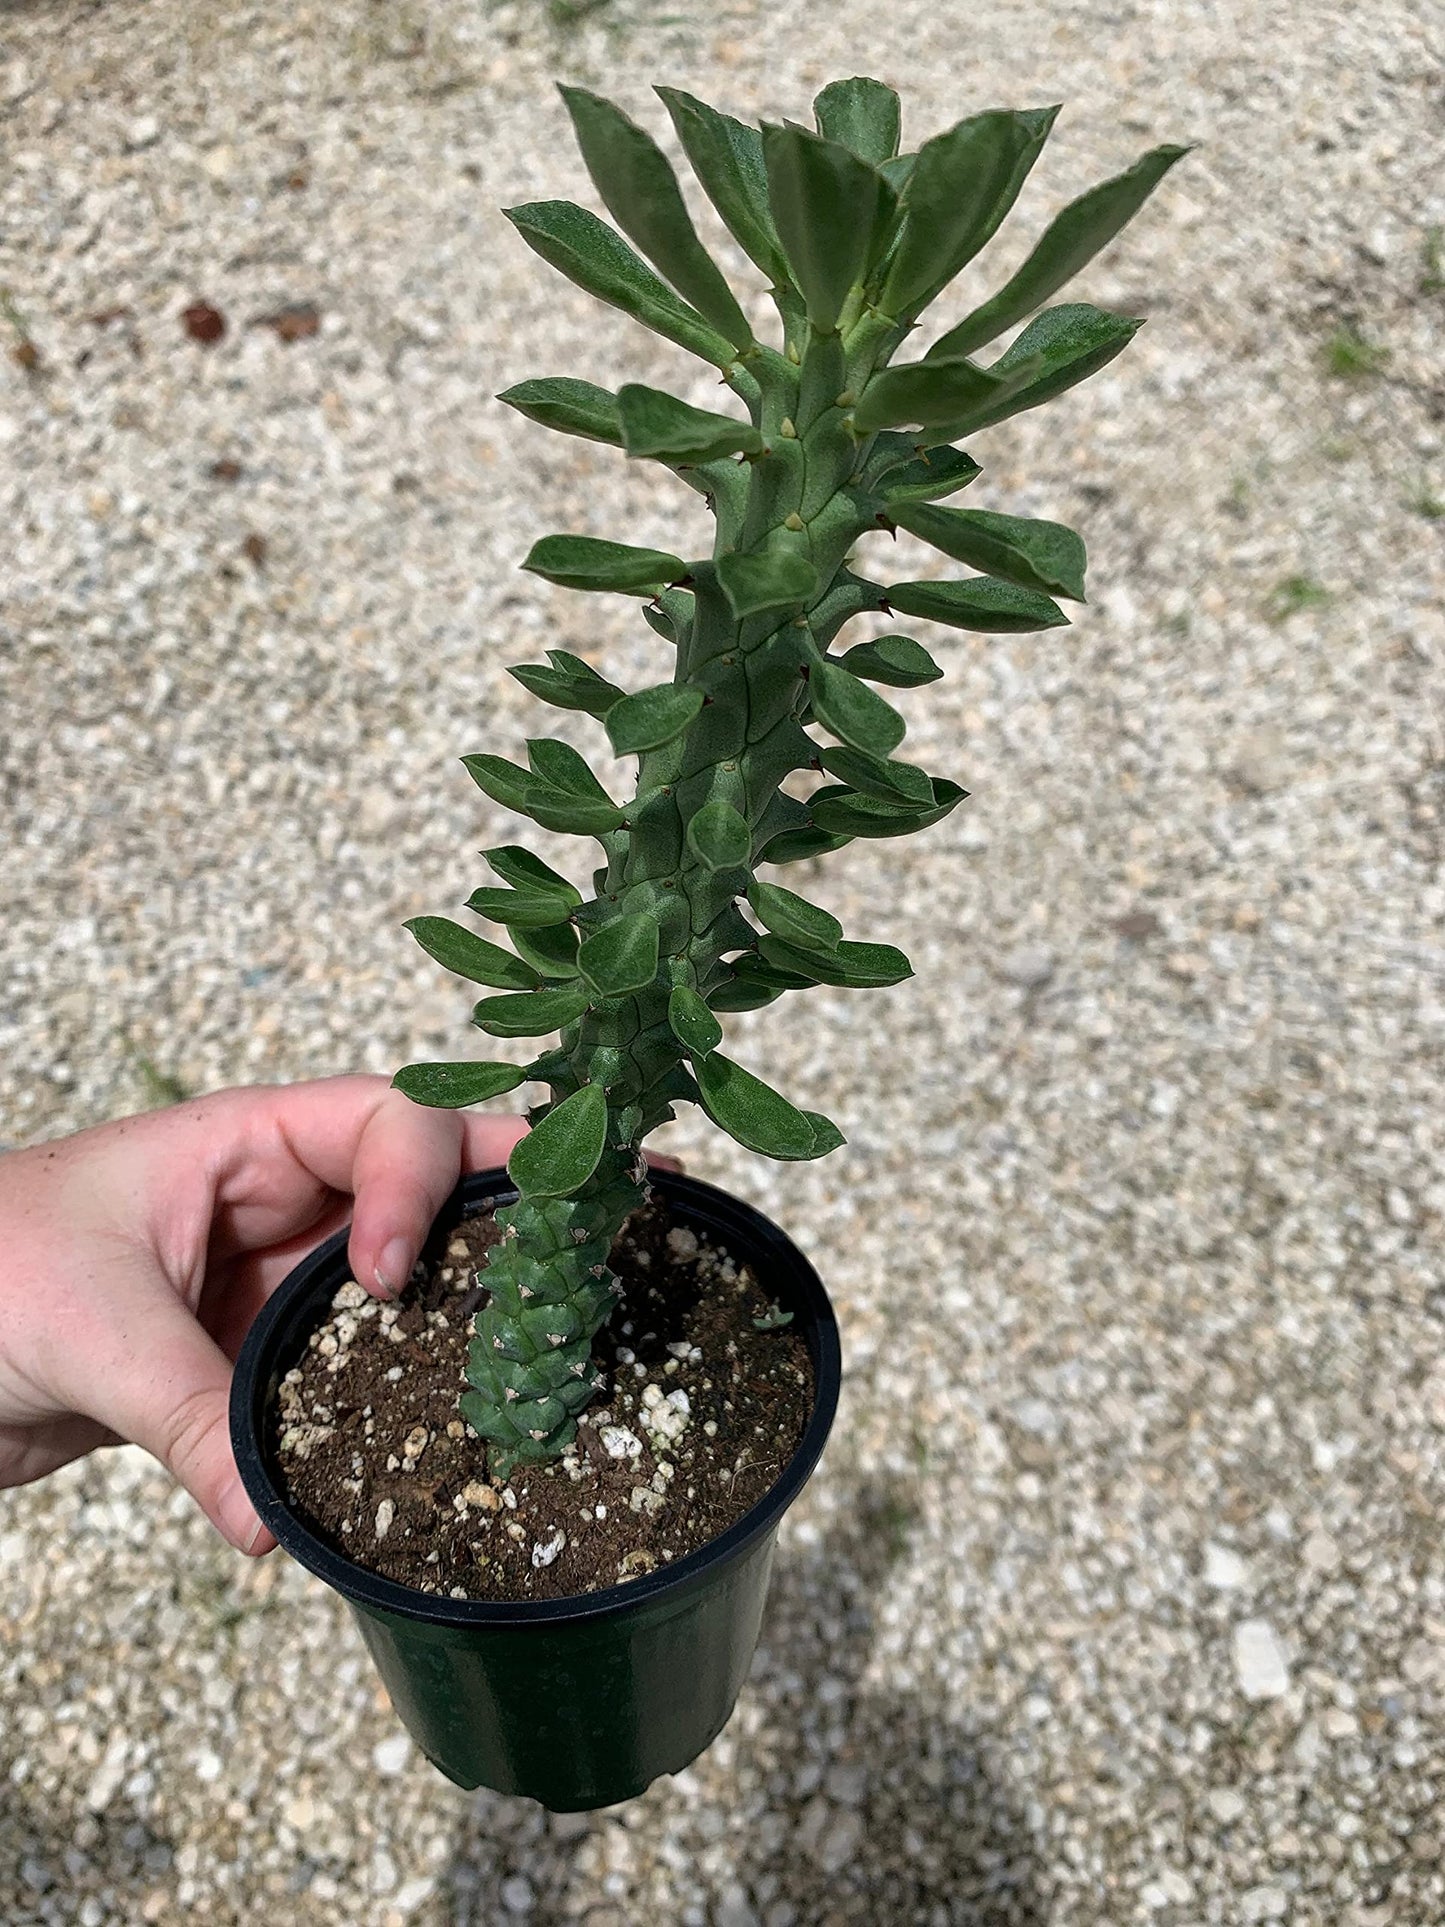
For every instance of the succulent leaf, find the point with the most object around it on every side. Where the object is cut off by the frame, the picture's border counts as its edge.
(759, 1117)
(1059, 348)
(897, 661)
(658, 424)
(526, 871)
(981, 603)
(852, 711)
(826, 203)
(652, 717)
(447, 1087)
(962, 185)
(876, 776)
(527, 909)
(727, 157)
(587, 562)
(923, 477)
(569, 683)
(862, 115)
(561, 1152)
(692, 1023)
(1035, 555)
(928, 392)
(550, 948)
(636, 181)
(596, 257)
(531, 1015)
(773, 579)
(622, 957)
(793, 918)
(851, 966)
(719, 837)
(471, 956)
(574, 407)
(1070, 242)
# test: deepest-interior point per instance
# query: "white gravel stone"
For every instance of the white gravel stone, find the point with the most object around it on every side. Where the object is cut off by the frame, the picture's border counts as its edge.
(1259, 1661)
(1224, 1570)
(391, 1755)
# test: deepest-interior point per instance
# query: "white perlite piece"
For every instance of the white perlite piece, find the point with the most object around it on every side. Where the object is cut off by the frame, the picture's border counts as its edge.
(644, 1499)
(619, 1443)
(385, 1513)
(665, 1419)
(1259, 1661)
(546, 1550)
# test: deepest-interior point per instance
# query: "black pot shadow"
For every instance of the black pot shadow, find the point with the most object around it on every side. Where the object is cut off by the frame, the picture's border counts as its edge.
(851, 1802)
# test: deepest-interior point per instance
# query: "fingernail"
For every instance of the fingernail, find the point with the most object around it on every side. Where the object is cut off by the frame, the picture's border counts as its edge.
(393, 1268)
(238, 1518)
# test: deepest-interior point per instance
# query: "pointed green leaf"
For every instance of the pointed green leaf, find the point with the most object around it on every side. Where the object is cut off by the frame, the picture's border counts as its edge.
(852, 966)
(925, 477)
(898, 783)
(981, 603)
(585, 562)
(852, 711)
(1061, 346)
(652, 717)
(532, 1015)
(861, 114)
(574, 407)
(469, 955)
(636, 181)
(622, 957)
(793, 918)
(727, 157)
(499, 779)
(447, 1087)
(771, 579)
(719, 837)
(658, 424)
(797, 846)
(897, 661)
(1035, 555)
(693, 1024)
(929, 392)
(750, 1111)
(826, 1135)
(826, 203)
(524, 871)
(569, 683)
(559, 1154)
(524, 909)
(571, 814)
(561, 767)
(961, 187)
(550, 949)
(1070, 241)
(597, 258)
(738, 993)
(848, 814)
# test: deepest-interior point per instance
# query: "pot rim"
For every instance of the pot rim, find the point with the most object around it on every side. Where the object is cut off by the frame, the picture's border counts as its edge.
(284, 1312)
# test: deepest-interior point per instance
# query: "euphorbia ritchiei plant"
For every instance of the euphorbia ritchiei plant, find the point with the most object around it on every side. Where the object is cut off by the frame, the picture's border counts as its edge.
(832, 437)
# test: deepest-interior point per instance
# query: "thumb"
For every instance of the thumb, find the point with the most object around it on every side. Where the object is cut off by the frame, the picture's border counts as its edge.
(173, 1398)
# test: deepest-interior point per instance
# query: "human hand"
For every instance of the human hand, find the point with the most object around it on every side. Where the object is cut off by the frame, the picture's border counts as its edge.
(134, 1256)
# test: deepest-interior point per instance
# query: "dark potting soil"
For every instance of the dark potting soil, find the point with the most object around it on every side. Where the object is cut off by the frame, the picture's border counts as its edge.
(701, 1409)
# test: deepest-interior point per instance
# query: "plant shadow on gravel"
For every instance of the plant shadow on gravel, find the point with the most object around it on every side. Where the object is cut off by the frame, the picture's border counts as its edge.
(866, 1805)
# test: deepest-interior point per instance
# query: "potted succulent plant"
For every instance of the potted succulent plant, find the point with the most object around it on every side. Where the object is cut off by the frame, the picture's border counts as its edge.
(764, 746)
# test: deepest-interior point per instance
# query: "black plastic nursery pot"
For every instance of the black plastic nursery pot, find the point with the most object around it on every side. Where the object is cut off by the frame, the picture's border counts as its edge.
(578, 1702)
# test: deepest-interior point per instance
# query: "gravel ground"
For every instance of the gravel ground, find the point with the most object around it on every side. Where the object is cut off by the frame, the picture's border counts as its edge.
(1120, 1595)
